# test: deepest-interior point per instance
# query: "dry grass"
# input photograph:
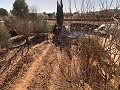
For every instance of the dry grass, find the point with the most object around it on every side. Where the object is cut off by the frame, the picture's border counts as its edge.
(92, 63)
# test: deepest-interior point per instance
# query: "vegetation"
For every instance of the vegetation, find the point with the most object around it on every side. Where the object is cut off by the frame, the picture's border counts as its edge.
(91, 63)
(26, 27)
(3, 12)
(20, 9)
(4, 37)
(60, 13)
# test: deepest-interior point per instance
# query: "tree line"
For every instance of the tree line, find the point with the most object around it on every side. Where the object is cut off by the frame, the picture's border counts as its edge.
(20, 9)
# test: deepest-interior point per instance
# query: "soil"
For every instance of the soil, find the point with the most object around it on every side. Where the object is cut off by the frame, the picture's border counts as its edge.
(47, 70)
(38, 74)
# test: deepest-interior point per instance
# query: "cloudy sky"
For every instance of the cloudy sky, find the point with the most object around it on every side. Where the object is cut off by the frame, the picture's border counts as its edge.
(50, 5)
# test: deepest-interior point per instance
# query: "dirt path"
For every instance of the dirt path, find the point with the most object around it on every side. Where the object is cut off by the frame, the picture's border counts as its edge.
(56, 71)
(44, 73)
(29, 75)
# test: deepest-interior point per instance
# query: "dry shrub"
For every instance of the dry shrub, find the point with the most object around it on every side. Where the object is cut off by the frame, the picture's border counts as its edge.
(26, 27)
(40, 25)
(91, 68)
(98, 58)
(4, 37)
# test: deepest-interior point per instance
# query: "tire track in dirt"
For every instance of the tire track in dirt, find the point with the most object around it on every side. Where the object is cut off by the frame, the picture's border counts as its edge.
(47, 72)
(25, 81)
(42, 79)
(19, 66)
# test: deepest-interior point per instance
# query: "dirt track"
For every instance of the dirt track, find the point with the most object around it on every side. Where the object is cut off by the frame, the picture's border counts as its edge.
(42, 72)
(48, 71)
(24, 82)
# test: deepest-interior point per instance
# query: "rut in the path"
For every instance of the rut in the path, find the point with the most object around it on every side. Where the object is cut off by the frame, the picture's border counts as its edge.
(29, 75)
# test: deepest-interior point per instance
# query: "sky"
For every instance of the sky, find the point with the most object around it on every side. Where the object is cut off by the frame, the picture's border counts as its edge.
(50, 5)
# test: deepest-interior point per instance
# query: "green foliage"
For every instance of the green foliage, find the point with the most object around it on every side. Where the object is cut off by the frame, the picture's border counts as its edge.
(60, 13)
(3, 12)
(4, 37)
(20, 9)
